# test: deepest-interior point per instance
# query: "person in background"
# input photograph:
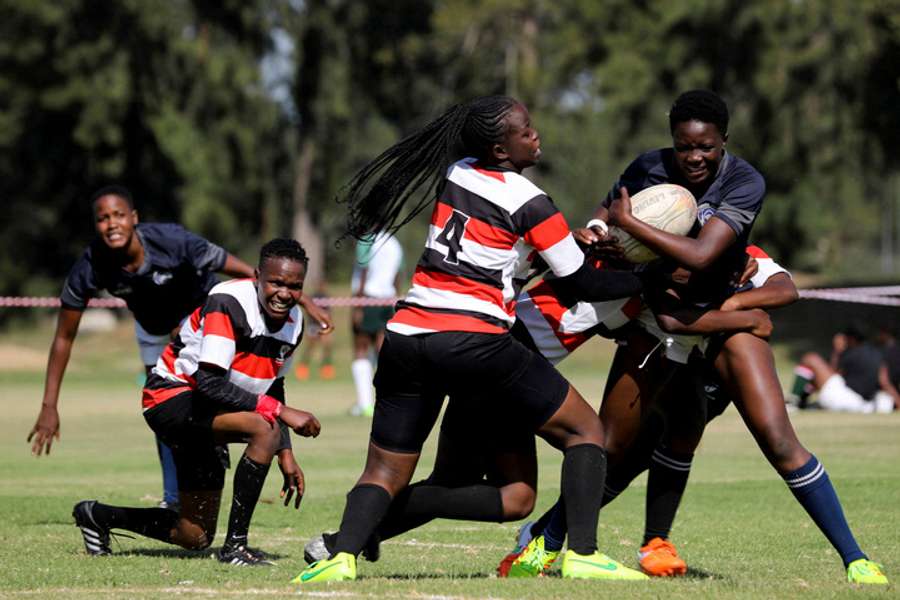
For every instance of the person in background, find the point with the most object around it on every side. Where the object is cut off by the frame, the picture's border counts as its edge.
(378, 261)
(849, 380)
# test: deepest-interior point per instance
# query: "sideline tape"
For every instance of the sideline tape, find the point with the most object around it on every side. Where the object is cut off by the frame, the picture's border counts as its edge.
(52, 302)
(876, 295)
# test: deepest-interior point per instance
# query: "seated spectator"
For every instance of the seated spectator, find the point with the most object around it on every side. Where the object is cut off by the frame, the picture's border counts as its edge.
(849, 382)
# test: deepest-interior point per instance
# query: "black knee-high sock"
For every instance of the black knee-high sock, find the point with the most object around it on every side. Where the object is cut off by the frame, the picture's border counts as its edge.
(367, 504)
(669, 472)
(156, 523)
(583, 476)
(422, 502)
(249, 477)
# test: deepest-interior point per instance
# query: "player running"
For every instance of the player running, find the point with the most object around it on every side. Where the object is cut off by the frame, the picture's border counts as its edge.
(222, 381)
(451, 333)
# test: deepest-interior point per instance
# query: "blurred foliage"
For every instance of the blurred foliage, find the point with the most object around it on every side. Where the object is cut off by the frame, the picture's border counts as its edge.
(180, 101)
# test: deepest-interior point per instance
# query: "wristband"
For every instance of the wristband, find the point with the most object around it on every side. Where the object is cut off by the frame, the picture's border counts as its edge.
(598, 223)
(268, 407)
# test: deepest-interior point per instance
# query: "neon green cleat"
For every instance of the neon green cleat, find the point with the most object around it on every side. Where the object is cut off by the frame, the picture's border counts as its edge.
(533, 561)
(342, 567)
(597, 566)
(866, 571)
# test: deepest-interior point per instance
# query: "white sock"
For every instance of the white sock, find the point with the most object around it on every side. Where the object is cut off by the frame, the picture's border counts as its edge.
(362, 377)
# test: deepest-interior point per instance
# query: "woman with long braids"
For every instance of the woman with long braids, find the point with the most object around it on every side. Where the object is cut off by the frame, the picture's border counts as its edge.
(450, 335)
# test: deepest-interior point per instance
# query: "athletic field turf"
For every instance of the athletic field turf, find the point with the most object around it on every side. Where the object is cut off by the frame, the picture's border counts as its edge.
(740, 529)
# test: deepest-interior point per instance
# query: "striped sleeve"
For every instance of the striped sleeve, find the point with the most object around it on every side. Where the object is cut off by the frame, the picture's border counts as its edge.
(224, 321)
(545, 229)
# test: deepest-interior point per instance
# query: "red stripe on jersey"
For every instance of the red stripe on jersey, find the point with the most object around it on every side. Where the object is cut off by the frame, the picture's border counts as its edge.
(417, 317)
(548, 304)
(195, 319)
(216, 323)
(476, 230)
(548, 232)
(151, 398)
(757, 252)
(255, 366)
(168, 357)
(460, 285)
(498, 175)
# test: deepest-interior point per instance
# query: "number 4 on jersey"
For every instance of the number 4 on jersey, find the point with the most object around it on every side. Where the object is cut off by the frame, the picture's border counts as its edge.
(451, 235)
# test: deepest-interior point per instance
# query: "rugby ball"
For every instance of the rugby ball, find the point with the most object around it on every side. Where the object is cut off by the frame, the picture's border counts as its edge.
(666, 206)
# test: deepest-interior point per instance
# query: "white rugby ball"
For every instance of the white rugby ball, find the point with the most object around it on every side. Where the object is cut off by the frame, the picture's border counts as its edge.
(666, 206)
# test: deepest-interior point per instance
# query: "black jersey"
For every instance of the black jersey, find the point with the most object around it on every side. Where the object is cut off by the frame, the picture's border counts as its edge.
(735, 195)
(177, 273)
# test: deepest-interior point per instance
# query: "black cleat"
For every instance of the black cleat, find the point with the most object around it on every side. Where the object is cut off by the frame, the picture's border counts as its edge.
(95, 536)
(242, 556)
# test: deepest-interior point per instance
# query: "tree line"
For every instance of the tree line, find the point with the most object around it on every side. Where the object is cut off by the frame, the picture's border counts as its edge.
(243, 120)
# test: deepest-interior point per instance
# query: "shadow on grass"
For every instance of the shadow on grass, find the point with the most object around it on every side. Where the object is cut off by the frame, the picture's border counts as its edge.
(693, 573)
(181, 553)
(425, 576)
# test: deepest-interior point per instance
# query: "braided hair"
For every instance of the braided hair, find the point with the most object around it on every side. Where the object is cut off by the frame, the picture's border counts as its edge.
(699, 105)
(283, 248)
(378, 193)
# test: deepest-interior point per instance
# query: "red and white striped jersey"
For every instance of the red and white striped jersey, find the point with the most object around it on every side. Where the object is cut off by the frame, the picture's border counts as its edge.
(485, 229)
(557, 327)
(228, 331)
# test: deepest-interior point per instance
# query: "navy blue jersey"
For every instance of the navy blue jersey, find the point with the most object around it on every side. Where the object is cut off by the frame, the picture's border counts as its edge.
(735, 195)
(177, 273)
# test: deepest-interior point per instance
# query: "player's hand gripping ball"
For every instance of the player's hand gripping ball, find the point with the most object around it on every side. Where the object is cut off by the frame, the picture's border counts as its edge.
(666, 206)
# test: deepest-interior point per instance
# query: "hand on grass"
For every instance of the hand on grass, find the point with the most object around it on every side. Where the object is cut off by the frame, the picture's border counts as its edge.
(45, 430)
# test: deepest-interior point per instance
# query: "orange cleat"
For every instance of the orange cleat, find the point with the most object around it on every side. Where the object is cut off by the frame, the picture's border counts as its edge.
(659, 558)
(327, 372)
(301, 371)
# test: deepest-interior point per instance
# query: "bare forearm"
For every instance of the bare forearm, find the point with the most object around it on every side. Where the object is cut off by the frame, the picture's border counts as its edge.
(688, 252)
(774, 294)
(60, 351)
(235, 267)
(693, 322)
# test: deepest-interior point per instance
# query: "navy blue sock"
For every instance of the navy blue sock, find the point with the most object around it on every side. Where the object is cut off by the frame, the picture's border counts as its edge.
(813, 490)
(555, 531)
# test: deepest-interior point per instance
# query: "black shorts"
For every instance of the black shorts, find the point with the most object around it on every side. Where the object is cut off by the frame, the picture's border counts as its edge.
(415, 373)
(374, 319)
(185, 425)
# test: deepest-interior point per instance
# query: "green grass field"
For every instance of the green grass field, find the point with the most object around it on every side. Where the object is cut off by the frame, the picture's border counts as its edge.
(739, 528)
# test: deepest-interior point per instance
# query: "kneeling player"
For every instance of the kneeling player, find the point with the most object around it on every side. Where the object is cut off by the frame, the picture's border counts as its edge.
(222, 381)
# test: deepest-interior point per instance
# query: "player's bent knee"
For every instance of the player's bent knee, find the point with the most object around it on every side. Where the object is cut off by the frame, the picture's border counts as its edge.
(518, 501)
(192, 536)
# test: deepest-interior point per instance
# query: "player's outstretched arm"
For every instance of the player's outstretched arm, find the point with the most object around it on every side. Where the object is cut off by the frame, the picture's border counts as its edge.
(317, 313)
(235, 267)
(46, 429)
